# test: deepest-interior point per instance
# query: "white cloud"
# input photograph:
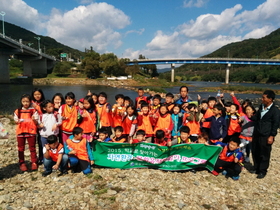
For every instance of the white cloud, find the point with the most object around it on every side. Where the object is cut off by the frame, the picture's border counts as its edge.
(259, 32)
(19, 13)
(140, 31)
(93, 25)
(194, 3)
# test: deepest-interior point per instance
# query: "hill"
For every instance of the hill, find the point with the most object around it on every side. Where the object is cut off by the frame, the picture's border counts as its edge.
(262, 48)
(48, 45)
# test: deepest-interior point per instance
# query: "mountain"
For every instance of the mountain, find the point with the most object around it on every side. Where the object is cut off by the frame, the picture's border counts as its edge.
(48, 45)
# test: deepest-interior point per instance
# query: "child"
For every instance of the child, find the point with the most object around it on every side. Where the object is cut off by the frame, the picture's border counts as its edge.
(218, 130)
(177, 119)
(140, 137)
(57, 100)
(230, 159)
(184, 136)
(118, 110)
(103, 109)
(129, 122)
(154, 107)
(203, 138)
(69, 115)
(103, 135)
(88, 123)
(38, 97)
(161, 140)
(48, 122)
(127, 101)
(79, 152)
(191, 119)
(247, 129)
(209, 112)
(163, 121)
(26, 119)
(169, 101)
(144, 122)
(234, 127)
(94, 98)
(139, 98)
(119, 137)
(54, 157)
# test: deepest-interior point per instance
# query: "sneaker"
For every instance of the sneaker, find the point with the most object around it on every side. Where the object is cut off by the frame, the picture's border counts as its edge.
(215, 173)
(63, 173)
(23, 167)
(34, 167)
(235, 178)
(46, 173)
(224, 172)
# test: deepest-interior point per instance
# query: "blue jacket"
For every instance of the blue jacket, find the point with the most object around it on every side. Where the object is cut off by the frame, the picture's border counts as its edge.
(177, 121)
(218, 127)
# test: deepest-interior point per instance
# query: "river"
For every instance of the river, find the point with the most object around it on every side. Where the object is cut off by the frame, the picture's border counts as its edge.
(10, 93)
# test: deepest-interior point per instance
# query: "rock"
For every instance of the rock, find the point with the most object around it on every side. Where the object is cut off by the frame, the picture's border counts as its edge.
(9, 208)
(5, 198)
(224, 207)
(111, 192)
(181, 205)
(122, 176)
(1, 187)
(27, 205)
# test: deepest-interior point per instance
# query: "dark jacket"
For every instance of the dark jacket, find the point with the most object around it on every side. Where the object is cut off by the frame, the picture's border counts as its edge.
(218, 127)
(268, 125)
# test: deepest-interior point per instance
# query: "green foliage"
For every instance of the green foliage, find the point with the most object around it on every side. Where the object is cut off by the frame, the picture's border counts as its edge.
(62, 67)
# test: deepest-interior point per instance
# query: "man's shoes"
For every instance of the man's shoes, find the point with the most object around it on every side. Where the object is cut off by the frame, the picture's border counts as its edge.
(34, 166)
(23, 167)
(46, 173)
(261, 176)
(254, 171)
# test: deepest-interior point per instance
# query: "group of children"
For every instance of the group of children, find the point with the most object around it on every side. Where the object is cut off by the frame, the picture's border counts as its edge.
(65, 127)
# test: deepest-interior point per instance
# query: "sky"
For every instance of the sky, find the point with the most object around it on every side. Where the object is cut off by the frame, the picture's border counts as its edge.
(153, 28)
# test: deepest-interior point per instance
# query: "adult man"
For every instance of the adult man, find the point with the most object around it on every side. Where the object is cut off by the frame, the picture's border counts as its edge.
(183, 95)
(267, 123)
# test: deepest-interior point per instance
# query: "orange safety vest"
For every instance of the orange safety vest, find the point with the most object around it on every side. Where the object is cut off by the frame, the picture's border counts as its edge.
(105, 117)
(88, 123)
(72, 115)
(208, 113)
(54, 156)
(193, 125)
(37, 107)
(79, 147)
(144, 123)
(116, 115)
(127, 123)
(120, 139)
(223, 156)
(28, 125)
(164, 123)
(234, 126)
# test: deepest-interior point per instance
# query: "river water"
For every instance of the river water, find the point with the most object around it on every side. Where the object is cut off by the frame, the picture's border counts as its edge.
(11, 93)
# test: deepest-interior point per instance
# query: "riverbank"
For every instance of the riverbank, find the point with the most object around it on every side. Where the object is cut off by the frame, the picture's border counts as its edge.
(143, 189)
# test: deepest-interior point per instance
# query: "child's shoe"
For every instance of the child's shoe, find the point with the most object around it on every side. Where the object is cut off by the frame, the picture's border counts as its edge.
(46, 173)
(23, 167)
(62, 173)
(215, 173)
(247, 160)
(34, 166)
(235, 178)
(224, 172)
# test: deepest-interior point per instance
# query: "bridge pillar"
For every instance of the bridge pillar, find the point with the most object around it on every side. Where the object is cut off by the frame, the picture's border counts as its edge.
(227, 74)
(39, 67)
(172, 72)
(4, 68)
(27, 70)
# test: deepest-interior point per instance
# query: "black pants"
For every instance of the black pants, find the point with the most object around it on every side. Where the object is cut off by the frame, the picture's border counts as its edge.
(261, 151)
(233, 169)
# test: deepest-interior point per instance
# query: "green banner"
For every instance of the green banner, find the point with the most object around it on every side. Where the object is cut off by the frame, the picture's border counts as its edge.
(147, 155)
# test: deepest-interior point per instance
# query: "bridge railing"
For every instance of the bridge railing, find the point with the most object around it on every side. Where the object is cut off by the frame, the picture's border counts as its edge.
(21, 45)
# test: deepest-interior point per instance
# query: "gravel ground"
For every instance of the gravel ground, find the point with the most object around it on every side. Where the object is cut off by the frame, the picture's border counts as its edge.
(134, 188)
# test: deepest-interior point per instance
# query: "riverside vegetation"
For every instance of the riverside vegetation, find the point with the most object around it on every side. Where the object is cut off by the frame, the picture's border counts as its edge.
(134, 188)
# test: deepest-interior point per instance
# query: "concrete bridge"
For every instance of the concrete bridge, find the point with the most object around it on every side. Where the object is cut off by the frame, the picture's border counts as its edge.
(227, 61)
(34, 62)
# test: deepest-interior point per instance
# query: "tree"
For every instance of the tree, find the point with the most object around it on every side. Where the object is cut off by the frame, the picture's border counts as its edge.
(110, 64)
(91, 64)
(62, 67)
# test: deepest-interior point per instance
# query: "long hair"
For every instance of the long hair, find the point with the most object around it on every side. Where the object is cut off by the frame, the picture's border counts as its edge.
(42, 95)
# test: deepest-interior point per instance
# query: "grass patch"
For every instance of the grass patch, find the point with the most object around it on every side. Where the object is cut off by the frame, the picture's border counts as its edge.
(100, 192)
(97, 177)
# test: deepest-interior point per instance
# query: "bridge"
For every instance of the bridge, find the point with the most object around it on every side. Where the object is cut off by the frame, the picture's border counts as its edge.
(227, 61)
(34, 62)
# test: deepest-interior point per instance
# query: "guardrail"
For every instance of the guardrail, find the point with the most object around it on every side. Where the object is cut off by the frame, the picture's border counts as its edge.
(23, 46)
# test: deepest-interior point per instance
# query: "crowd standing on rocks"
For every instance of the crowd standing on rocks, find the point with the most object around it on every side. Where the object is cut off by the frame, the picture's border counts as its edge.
(138, 188)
